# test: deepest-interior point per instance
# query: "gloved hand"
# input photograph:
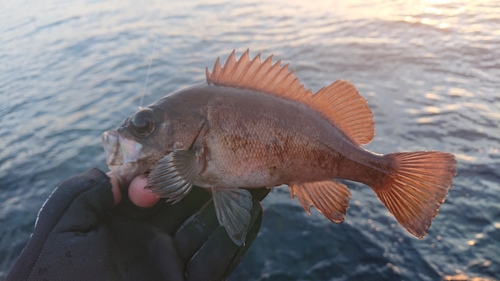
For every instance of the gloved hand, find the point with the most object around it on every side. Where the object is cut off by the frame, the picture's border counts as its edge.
(81, 235)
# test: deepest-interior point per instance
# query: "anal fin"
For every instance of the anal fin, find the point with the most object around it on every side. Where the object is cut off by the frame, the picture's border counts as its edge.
(232, 207)
(331, 198)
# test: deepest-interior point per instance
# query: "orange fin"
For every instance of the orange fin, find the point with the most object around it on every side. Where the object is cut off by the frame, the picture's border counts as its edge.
(347, 109)
(414, 190)
(340, 103)
(331, 198)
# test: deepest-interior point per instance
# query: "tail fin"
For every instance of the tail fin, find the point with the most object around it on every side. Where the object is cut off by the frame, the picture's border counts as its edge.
(415, 188)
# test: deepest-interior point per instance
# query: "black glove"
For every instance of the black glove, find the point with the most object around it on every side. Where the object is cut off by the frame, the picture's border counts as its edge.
(79, 235)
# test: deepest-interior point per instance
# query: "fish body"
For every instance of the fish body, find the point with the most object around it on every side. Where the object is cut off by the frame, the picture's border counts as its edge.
(253, 140)
(250, 125)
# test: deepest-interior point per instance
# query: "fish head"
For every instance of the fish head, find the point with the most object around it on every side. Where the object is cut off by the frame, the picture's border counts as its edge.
(137, 145)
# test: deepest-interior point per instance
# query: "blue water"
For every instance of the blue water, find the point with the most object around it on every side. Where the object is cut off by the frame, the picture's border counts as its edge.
(430, 71)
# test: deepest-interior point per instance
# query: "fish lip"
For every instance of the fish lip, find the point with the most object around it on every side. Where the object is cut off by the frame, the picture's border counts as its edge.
(121, 156)
(119, 150)
(112, 151)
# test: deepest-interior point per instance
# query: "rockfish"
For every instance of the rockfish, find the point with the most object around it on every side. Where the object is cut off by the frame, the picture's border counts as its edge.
(251, 125)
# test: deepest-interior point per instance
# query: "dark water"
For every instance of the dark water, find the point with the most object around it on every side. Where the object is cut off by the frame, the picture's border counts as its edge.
(430, 71)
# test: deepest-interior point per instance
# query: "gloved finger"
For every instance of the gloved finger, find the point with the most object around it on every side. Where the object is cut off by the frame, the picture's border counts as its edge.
(191, 236)
(115, 188)
(170, 217)
(252, 234)
(135, 202)
(70, 207)
(167, 217)
(217, 256)
(86, 193)
(259, 193)
(143, 253)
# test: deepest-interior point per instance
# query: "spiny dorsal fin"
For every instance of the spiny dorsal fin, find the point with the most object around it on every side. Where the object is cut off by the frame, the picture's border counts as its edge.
(257, 75)
(340, 103)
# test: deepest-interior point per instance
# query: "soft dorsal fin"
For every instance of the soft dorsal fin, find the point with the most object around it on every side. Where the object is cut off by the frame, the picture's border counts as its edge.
(340, 103)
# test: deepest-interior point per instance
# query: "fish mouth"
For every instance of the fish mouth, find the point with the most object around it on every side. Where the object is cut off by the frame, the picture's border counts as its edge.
(119, 150)
(121, 156)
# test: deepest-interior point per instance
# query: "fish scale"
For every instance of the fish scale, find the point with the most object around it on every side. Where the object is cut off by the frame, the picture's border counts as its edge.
(253, 140)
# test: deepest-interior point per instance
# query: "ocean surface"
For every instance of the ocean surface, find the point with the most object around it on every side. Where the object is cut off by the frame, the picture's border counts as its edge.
(430, 71)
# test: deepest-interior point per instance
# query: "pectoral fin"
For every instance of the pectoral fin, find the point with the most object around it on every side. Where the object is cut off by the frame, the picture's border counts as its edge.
(331, 198)
(232, 207)
(174, 175)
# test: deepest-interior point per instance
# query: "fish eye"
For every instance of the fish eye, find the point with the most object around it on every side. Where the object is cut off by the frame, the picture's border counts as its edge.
(143, 123)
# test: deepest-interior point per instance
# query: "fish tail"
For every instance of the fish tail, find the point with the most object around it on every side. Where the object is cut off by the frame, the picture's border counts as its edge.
(415, 187)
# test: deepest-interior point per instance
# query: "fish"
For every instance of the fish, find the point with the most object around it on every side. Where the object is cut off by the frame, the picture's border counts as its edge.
(251, 124)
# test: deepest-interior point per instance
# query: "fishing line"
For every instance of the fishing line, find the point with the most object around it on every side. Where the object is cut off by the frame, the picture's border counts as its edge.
(147, 75)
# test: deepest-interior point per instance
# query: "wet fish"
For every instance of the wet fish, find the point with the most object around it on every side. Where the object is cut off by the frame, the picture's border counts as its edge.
(252, 124)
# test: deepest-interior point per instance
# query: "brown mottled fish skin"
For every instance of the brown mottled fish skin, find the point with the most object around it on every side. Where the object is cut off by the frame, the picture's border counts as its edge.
(253, 140)
(253, 125)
